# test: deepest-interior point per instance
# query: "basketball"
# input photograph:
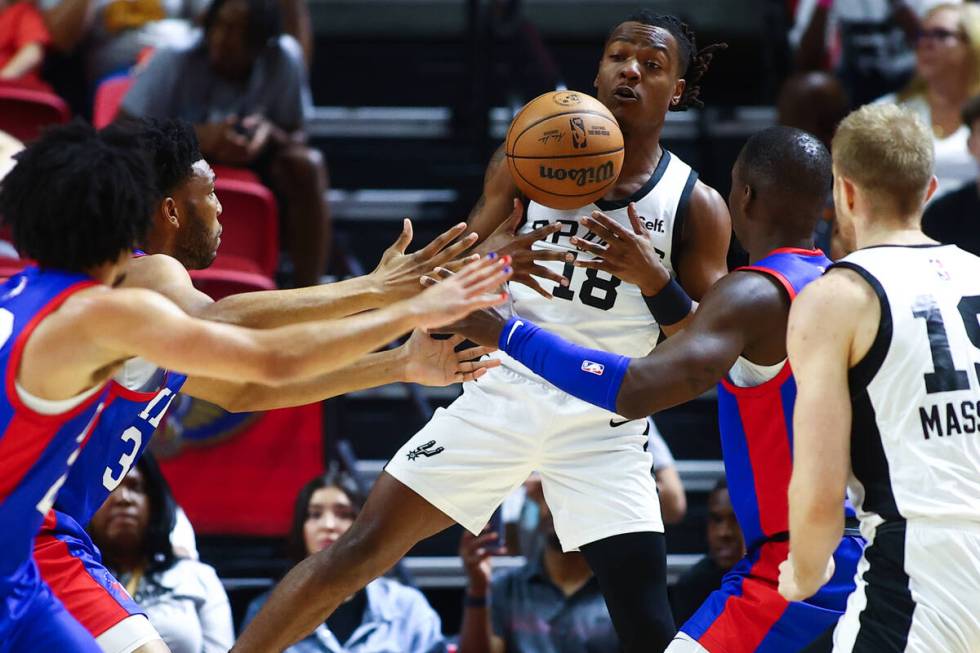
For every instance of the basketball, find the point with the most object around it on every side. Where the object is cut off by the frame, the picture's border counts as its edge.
(564, 149)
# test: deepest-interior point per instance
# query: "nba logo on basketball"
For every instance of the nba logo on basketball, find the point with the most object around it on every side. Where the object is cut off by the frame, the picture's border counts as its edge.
(593, 368)
(579, 139)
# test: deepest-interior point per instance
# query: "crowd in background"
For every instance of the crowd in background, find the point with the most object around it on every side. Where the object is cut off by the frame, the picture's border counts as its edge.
(237, 70)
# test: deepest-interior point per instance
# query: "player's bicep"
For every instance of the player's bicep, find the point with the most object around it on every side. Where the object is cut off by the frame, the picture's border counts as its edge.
(137, 322)
(703, 259)
(819, 335)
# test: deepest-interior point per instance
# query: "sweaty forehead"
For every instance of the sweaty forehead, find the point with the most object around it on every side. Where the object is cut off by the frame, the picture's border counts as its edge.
(643, 35)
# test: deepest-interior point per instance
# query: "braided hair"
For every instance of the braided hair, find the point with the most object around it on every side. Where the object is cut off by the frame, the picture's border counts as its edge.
(693, 63)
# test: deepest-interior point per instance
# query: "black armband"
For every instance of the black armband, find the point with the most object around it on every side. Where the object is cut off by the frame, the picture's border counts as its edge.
(670, 305)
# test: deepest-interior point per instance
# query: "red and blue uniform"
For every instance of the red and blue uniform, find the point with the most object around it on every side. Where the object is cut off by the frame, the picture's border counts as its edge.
(36, 452)
(69, 561)
(748, 614)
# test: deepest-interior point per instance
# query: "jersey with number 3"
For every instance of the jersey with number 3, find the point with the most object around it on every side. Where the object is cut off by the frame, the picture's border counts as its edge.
(122, 433)
(36, 450)
(597, 309)
(915, 443)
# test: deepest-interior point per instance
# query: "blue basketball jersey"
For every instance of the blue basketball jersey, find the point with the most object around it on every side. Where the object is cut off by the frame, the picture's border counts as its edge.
(36, 450)
(118, 440)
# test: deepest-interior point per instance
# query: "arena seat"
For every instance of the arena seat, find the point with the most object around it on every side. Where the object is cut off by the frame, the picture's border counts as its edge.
(250, 219)
(24, 112)
(218, 282)
(108, 96)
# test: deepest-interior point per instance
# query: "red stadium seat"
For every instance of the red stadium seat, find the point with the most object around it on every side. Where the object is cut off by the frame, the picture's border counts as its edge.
(108, 96)
(250, 220)
(219, 283)
(24, 112)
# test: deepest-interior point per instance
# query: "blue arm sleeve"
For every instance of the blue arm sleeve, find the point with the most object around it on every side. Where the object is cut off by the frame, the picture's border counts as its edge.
(589, 374)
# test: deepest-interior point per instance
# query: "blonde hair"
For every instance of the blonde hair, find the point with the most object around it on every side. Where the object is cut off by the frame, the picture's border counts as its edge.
(887, 151)
(969, 22)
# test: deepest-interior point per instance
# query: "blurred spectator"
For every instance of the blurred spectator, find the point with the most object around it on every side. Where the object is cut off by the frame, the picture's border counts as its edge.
(23, 37)
(183, 599)
(385, 615)
(725, 548)
(673, 501)
(955, 217)
(113, 33)
(947, 75)
(550, 605)
(243, 85)
(867, 43)
(528, 67)
(816, 103)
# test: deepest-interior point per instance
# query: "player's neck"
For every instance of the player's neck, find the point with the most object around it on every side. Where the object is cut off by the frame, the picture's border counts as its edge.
(767, 245)
(640, 159)
(890, 232)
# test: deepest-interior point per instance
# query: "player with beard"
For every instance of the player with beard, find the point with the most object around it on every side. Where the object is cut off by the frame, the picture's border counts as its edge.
(185, 233)
(595, 472)
(78, 203)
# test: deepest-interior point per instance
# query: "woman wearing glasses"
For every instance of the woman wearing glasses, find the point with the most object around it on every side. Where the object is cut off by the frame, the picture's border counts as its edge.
(947, 74)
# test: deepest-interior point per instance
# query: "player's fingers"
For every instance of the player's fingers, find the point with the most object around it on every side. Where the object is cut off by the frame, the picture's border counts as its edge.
(594, 264)
(545, 273)
(586, 246)
(471, 376)
(405, 237)
(597, 228)
(535, 286)
(481, 276)
(469, 355)
(485, 301)
(427, 281)
(539, 234)
(514, 219)
(635, 220)
(458, 264)
(456, 249)
(454, 341)
(611, 225)
(547, 255)
(442, 240)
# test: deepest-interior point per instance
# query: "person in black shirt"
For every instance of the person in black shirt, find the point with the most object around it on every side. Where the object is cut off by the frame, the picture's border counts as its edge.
(954, 218)
(725, 548)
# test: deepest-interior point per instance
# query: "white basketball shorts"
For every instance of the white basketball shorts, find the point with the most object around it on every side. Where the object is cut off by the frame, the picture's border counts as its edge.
(918, 591)
(594, 466)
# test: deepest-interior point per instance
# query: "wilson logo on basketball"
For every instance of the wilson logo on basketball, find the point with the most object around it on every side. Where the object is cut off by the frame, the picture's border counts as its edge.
(581, 176)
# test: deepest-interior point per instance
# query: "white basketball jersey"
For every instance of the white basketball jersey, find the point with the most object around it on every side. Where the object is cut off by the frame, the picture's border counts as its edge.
(597, 309)
(915, 442)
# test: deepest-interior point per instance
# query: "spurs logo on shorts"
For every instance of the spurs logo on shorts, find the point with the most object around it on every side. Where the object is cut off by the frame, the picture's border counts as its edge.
(425, 450)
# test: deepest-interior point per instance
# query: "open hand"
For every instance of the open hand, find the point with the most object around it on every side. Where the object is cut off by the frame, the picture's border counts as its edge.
(482, 327)
(437, 363)
(397, 275)
(627, 254)
(505, 241)
(474, 287)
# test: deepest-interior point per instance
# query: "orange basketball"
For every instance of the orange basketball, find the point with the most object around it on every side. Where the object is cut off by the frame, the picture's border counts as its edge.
(564, 149)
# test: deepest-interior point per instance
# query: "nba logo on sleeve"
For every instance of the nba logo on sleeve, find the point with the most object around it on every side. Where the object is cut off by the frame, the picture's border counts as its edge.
(593, 368)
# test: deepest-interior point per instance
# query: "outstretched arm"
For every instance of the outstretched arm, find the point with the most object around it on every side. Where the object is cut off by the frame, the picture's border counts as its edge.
(99, 328)
(741, 311)
(422, 359)
(820, 339)
(395, 278)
